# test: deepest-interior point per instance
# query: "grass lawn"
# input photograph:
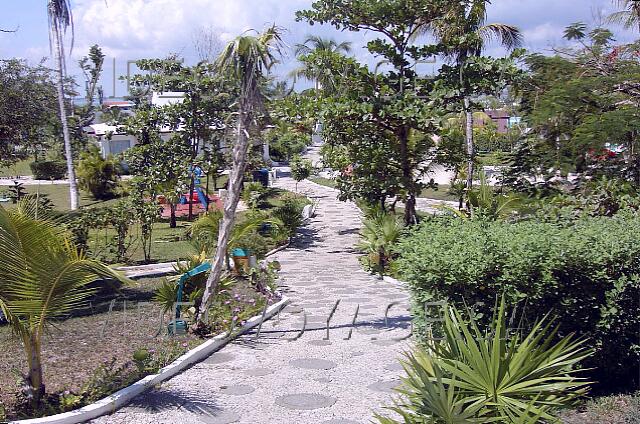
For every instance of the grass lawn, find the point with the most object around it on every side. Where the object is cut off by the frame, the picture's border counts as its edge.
(442, 193)
(59, 196)
(323, 181)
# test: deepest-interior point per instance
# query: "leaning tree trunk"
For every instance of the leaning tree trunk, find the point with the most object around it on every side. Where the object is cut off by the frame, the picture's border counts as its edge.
(73, 187)
(230, 205)
(469, 141)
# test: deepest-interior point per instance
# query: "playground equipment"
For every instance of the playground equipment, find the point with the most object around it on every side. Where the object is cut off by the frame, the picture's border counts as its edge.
(177, 325)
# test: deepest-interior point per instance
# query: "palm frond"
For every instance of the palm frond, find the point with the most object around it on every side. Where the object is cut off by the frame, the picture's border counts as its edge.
(507, 35)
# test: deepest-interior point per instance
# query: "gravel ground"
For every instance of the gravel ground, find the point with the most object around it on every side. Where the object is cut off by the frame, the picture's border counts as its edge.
(275, 379)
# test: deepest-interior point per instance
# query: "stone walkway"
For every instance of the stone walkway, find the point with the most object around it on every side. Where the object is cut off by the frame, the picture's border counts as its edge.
(275, 379)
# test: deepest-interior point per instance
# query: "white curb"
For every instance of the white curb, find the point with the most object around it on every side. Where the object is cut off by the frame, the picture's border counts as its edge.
(120, 398)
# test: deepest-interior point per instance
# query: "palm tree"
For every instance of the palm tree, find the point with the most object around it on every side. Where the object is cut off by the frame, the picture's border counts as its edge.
(247, 59)
(465, 31)
(60, 18)
(44, 277)
(321, 76)
(629, 16)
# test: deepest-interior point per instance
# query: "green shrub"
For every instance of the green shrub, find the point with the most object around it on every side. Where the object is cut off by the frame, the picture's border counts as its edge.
(290, 214)
(586, 274)
(49, 170)
(97, 175)
(486, 375)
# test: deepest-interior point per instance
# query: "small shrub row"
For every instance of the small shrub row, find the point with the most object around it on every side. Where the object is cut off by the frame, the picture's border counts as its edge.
(49, 170)
(585, 273)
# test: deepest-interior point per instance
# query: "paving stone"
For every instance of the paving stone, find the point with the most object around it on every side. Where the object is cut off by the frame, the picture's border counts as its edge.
(237, 389)
(218, 416)
(385, 386)
(219, 358)
(396, 366)
(313, 364)
(305, 401)
(258, 372)
(384, 342)
(340, 421)
(320, 342)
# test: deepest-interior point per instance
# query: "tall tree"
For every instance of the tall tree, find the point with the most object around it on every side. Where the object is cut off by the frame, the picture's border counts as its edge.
(28, 110)
(247, 60)
(464, 33)
(320, 46)
(397, 106)
(60, 19)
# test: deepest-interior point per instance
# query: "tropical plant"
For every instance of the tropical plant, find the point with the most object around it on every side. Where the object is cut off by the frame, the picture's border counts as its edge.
(97, 175)
(380, 232)
(464, 32)
(323, 48)
(44, 278)
(491, 375)
(255, 194)
(60, 18)
(301, 169)
(485, 203)
(247, 59)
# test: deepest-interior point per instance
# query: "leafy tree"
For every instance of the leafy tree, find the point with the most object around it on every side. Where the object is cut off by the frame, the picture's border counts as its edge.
(385, 109)
(246, 60)
(44, 277)
(300, 169)
(91, 66)
(202, 112)
(60, 18)
(27, 110)
(464, 32)
(581, 106)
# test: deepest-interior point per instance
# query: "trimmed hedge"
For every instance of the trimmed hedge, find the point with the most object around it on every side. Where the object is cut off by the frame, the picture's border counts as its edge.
(587, 274)
(48, 170)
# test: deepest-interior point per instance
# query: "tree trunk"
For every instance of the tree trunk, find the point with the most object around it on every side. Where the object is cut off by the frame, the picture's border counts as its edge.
(172, 219)
(469, 141)
(230, 205)
(32, 349)
(73, 187)
(207, 189)
(410, 217)
(191, 187)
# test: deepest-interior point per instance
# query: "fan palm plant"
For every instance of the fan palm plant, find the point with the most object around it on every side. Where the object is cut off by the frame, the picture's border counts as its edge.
(247, 60)
(60, 19)
(465, 32)
(378, 235)
(497, 375)
(44, 277)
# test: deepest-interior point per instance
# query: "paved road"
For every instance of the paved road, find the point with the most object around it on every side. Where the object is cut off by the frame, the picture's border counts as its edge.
(309, 380)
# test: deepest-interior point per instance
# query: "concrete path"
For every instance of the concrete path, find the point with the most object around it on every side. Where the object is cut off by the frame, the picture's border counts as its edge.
(276, 379)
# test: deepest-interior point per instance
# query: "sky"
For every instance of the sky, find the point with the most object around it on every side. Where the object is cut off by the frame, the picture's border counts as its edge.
(133, 29)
